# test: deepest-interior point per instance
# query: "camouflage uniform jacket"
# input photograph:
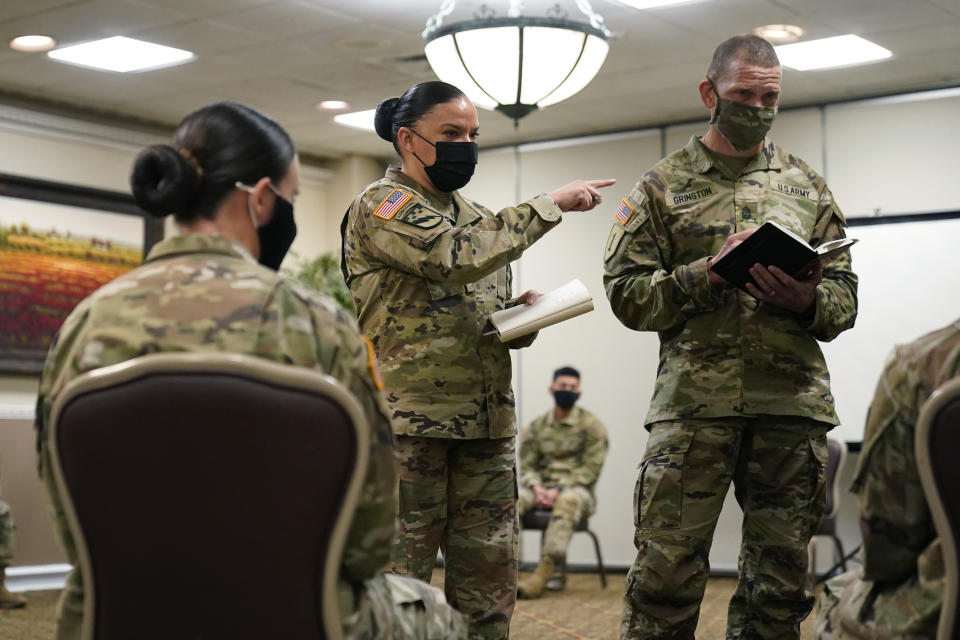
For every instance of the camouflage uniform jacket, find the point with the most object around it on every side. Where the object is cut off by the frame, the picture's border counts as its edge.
(899, 539)
(563, 454)
(721, 352)
(205, 293)
(426, 271)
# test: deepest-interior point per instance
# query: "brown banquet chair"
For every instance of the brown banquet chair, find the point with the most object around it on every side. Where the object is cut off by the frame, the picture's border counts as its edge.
(209, 495)
(936, 443)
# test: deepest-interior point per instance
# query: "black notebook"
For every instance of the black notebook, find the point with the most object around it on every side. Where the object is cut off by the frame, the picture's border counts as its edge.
(774, 245)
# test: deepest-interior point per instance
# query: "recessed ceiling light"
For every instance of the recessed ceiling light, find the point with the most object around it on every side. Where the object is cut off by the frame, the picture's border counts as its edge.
(33, 43)
(653, 4)
(333, 105)
(121, 54)
(779, 33)
(839, 51)
(357, 119)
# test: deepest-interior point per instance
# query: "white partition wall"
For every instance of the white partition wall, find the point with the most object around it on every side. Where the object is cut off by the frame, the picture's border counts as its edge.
(895, 155)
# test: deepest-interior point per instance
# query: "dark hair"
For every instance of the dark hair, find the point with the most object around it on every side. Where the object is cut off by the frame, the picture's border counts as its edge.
(405, 111)
(747, 48)
(212, 149)
(566, 371)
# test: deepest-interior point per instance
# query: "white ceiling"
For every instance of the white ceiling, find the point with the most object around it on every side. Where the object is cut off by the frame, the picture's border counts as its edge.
(283, 56)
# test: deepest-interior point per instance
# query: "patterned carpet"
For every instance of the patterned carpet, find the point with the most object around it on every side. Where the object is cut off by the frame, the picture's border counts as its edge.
(583, 611)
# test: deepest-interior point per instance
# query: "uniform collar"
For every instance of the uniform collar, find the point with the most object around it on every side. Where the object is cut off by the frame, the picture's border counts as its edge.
(572, 419)
(198, 243)
(767, 160)
(442, 202)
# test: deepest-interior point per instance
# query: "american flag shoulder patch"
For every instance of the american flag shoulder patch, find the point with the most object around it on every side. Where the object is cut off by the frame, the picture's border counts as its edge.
(624, 212)
(393, 203)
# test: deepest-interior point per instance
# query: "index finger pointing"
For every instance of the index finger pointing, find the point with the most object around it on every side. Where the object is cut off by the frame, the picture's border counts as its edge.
(601, 183)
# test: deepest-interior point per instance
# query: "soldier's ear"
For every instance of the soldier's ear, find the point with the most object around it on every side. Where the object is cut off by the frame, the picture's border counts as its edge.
(261, 199)
(707, 94)
(405, 139)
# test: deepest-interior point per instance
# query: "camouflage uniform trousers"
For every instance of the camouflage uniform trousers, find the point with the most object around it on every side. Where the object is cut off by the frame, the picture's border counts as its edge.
(776, 464)
(395, 607)
(571, 506)
(851, 608)
(6, 535)
(459, 496)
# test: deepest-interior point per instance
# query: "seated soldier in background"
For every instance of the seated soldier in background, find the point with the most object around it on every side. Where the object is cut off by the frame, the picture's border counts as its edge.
(7, 600)
(561, 454)
(899, 590)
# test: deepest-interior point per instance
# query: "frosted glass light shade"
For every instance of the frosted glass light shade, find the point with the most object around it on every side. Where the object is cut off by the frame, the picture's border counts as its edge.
(516, 65)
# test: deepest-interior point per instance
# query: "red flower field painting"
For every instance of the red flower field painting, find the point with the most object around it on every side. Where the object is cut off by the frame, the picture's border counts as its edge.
(43, 275)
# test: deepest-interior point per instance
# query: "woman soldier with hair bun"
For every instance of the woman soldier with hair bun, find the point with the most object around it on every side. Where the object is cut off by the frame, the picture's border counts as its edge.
(426, 268)
(230, 177)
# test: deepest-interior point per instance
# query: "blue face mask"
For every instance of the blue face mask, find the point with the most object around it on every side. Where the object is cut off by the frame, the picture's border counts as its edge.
(278, 233)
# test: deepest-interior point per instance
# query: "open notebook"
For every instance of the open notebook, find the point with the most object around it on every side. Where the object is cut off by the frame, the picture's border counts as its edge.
(563, 303)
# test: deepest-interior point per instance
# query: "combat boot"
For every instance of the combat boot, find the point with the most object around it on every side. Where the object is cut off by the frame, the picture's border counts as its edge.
(9, 600)
(532, 585)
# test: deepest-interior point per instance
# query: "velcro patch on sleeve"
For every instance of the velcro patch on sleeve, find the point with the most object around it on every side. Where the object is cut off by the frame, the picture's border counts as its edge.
(393, 203)
(421, 216)
(624, 212)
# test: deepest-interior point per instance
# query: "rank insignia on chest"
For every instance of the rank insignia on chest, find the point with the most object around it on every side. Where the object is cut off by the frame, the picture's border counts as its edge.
(393, 203)
(624, 212)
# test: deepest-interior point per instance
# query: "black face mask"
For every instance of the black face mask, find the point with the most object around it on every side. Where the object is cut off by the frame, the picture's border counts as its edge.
(278, 233)
(565, 399)
(453, 166)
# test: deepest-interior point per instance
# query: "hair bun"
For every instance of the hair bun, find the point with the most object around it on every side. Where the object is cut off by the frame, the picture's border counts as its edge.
(383, 119)
(163, 180)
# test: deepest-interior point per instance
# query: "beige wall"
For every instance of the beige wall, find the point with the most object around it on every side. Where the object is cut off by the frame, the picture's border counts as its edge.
(23, 491)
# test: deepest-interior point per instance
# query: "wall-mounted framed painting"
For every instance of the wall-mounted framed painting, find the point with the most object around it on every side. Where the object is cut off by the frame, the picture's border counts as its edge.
(58, 244)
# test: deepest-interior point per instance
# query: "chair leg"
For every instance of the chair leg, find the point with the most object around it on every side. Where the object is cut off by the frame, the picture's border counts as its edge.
(812, 556)
(839, 545)
(596, 546)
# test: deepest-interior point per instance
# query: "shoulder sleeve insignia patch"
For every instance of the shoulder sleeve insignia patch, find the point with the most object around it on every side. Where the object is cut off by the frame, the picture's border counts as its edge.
(624, 212)
(421, 216)
(393, 203)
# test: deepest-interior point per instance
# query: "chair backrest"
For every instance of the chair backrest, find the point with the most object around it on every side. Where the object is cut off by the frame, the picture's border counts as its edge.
(936, 444)
(209, 495)
(836, 458)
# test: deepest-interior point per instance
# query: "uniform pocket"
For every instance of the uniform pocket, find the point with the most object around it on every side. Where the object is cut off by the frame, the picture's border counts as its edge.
(658, 494)
(440, 290)
(819, 453)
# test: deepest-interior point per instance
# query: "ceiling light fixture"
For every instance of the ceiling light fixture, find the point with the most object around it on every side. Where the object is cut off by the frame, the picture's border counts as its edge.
(839, 51)
(654, 4)
(121, 54)
(33, 43)
(333, 105)
(357, 119)
(779, 33)
(516, 64)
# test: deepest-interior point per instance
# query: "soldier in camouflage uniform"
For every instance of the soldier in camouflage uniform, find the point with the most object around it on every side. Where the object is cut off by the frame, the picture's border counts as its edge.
(426, 268)
(7, 600)
(203, 291)
(899, 590)
(742, 391)
(561, 454)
